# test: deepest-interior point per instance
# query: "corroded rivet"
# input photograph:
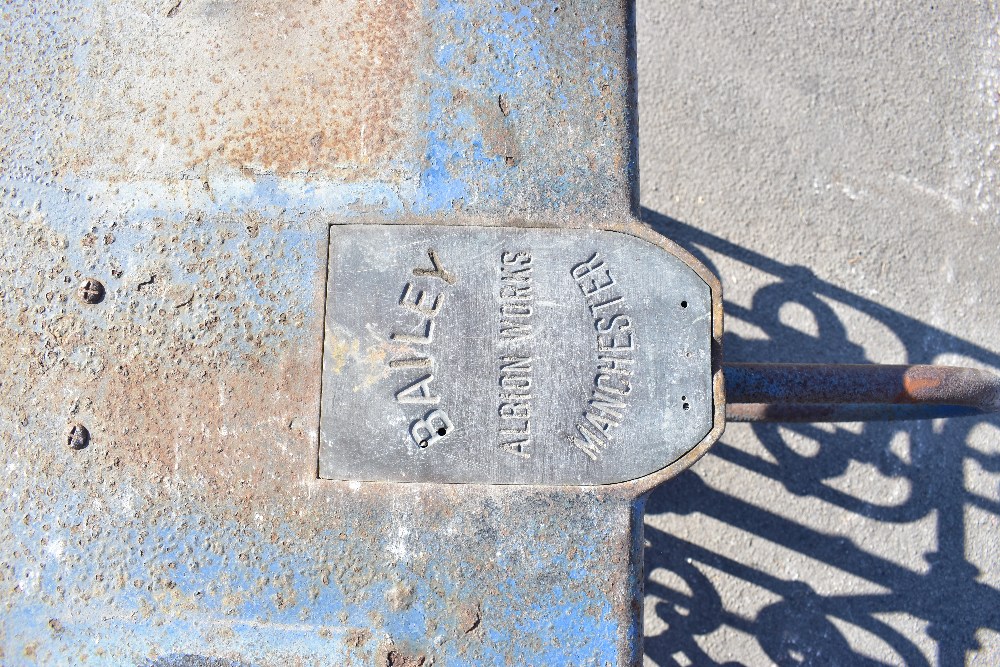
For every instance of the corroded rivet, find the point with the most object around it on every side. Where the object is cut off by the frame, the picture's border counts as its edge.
(91, 291)
(77, 436)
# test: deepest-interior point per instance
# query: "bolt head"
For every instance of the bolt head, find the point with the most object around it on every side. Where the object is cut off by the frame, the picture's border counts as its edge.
(77, 436)
(91, 291)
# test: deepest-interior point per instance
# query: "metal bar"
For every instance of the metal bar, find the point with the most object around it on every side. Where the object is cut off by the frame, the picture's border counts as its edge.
(856, 392)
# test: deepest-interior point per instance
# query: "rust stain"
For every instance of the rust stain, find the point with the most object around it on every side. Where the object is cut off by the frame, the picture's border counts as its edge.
(340, 351)
(492, 116)
(357, 637)
(265, 86)
(915, 385)
(399, 659)
(206, 430)
(469, 617)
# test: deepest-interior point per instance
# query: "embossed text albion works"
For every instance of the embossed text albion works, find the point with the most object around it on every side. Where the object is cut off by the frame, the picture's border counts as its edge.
(516, 310)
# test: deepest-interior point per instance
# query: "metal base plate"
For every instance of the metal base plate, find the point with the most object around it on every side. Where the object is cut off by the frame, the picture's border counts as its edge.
(510, 356)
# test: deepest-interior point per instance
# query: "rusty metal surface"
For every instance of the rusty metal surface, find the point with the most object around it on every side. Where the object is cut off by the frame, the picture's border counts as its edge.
(856, 392)
(336, 106)
(191, 156)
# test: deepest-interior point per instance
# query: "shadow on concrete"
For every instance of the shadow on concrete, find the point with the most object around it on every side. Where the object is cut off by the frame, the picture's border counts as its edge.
(797, 628)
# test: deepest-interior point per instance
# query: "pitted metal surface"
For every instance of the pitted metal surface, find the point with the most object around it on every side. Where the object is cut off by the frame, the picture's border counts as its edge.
(337, 106)
(510, 356)
(191, 156)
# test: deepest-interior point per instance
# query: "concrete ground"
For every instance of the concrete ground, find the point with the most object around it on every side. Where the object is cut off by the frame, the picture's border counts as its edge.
(838, 165)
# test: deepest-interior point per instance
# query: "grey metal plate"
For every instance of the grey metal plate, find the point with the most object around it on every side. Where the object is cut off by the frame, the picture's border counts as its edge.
(510, 356)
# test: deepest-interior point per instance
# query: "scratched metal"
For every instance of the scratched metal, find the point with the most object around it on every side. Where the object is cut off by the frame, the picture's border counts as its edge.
(192, 155)
(510, 356)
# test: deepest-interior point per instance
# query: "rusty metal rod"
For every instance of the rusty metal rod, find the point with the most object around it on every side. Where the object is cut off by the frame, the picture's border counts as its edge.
(856, 392)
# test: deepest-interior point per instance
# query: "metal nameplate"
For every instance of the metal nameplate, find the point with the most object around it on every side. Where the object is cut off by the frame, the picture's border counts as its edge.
(510, 356)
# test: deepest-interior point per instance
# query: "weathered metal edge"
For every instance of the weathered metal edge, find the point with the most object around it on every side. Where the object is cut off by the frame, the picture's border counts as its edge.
(631, 226)
(646, 484)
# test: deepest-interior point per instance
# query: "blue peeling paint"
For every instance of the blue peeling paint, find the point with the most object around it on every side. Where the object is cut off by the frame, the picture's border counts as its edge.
(115, 560)
(484, 51)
